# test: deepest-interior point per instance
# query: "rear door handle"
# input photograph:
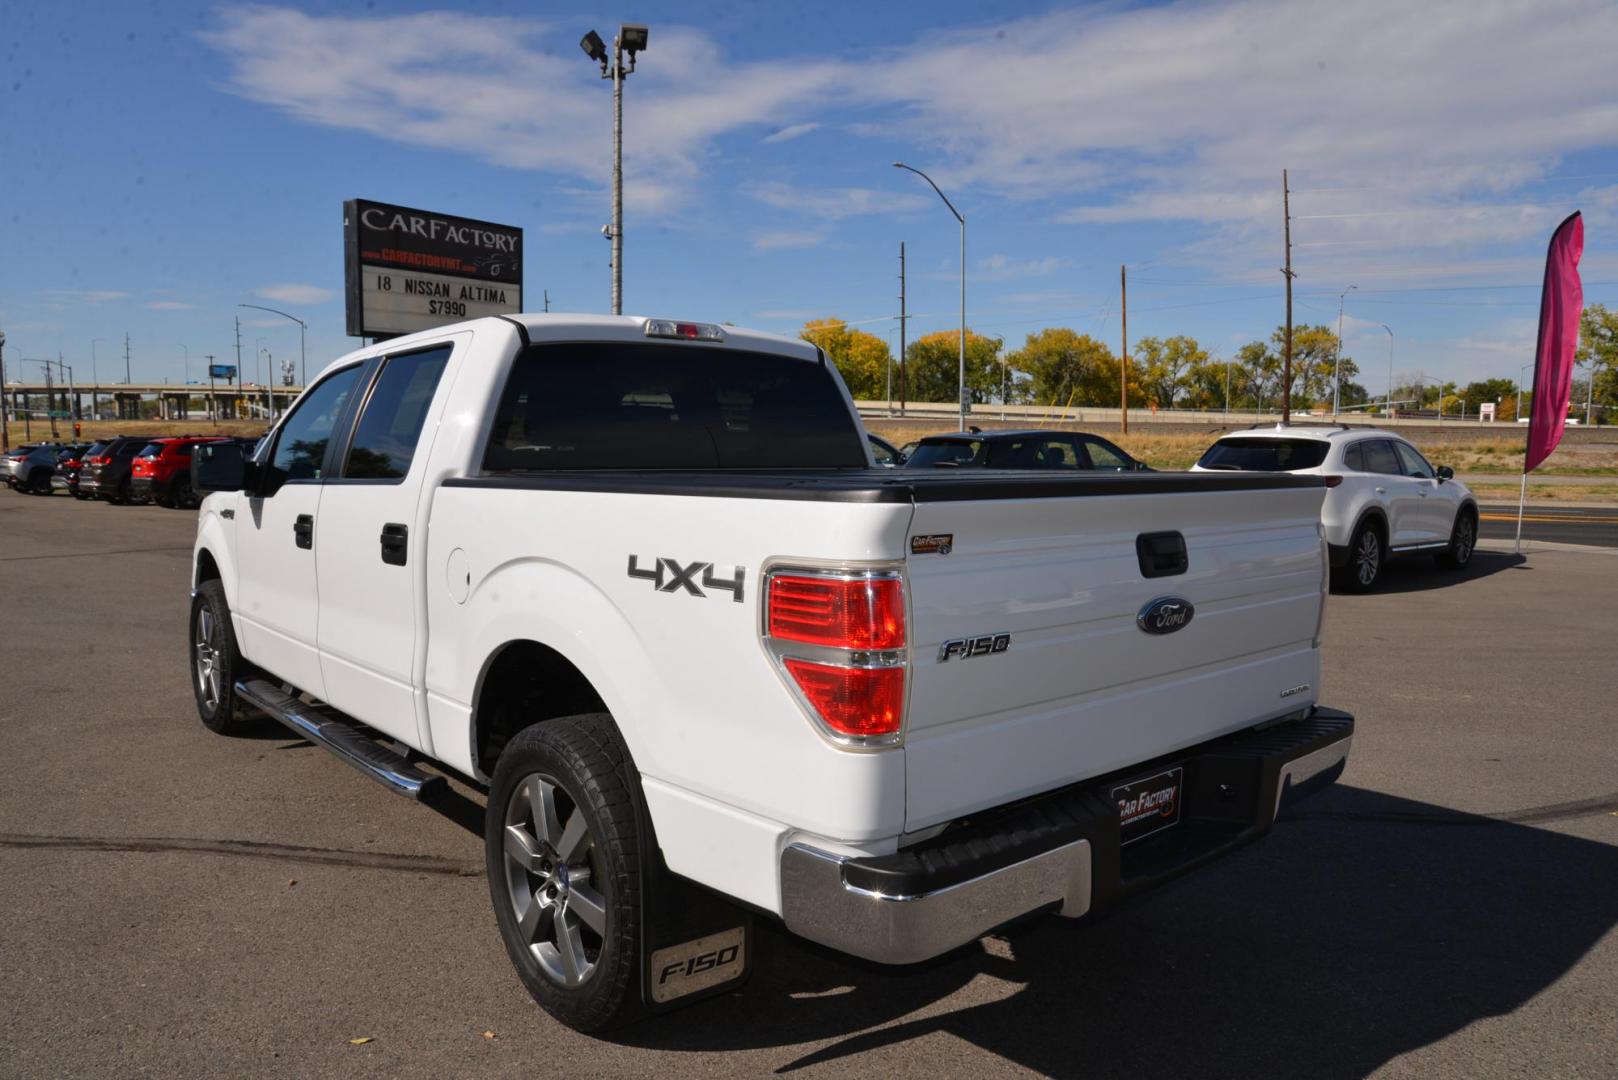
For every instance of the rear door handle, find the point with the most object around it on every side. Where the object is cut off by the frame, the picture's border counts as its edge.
(303, 531)
(395, 543)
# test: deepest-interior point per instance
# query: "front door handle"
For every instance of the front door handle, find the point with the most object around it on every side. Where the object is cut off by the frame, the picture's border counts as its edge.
(303, 531)
(1381, 491)
(395, 543)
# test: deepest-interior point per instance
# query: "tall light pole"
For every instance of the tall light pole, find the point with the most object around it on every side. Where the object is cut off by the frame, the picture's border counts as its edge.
(1388, 406)
(1337, 366)
(5, 426)
(631, 39)
(960, 218)
(303, 330)
(1521, 371)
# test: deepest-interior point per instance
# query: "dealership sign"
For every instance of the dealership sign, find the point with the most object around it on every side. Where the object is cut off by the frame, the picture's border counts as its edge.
(408, 270)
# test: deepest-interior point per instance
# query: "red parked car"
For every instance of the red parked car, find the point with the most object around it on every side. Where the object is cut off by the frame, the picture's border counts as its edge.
(161, 471)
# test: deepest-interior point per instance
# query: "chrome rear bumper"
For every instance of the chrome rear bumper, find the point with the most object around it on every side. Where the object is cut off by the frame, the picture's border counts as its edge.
(1060, 853)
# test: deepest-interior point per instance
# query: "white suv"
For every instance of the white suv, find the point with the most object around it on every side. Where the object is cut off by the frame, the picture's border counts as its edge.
(1383, 498)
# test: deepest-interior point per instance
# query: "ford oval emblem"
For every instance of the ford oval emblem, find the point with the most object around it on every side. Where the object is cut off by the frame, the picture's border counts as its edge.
(1165, 615)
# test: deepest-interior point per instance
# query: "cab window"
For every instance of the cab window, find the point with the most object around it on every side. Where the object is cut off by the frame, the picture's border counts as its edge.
(300, 445)
(390, 424)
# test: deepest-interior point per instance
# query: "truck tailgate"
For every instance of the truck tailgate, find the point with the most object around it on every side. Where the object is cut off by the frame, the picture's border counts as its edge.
(1081, 690)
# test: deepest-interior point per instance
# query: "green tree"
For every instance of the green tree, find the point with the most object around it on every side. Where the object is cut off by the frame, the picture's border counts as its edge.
(932, 363)
(1262, 369)
(1598, 353)
(1164, 365)
(861, 358)
(1064, 365)
(1204, 384)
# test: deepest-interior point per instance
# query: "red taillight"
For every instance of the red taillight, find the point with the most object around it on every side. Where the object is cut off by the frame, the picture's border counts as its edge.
(1333, 481)
(839, 637)
(865, 614)
(857, 701)
(100, 460)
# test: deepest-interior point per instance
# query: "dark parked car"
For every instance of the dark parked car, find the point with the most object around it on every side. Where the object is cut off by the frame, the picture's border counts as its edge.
(106, 475)
(1069, 450)
(71, 463)
(162, 471)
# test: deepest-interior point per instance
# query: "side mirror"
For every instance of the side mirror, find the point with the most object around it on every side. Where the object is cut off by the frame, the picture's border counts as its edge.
(220, 467)
(1445, 473)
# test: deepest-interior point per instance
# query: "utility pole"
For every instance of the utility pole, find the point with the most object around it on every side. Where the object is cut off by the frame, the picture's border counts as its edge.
(1286, 368)
(904, 385)
(1123, 357)
(72, 391)
(213, 400)
(50, 398)
(127, 379)
(547, 301)
(1337, 368)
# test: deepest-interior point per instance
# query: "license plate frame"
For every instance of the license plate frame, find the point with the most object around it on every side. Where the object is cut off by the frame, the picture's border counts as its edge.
(1149, 804)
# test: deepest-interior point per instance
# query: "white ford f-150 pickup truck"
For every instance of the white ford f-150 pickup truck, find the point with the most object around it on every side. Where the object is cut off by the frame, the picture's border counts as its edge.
(642, 580)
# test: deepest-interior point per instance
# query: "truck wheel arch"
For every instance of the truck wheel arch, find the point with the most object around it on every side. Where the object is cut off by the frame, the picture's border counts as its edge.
(524, 682)
(207, 569)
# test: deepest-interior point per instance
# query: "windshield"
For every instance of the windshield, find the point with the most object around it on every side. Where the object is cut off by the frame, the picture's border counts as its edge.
(1265, 455)
(946, 452)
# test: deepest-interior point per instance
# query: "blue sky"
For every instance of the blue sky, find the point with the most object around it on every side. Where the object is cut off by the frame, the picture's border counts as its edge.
(162, 162)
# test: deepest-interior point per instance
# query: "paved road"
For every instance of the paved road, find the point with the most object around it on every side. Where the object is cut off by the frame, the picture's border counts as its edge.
(1596, 526)
(180, 904)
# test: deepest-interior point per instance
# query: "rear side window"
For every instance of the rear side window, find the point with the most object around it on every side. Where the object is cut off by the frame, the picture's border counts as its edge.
(1265, 455)
(1354, 458)
(1380, 458)
(610, 405)
(391, 422)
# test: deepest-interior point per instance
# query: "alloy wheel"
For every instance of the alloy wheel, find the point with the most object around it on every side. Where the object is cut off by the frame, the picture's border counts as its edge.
(552, 874)
(207, 650)
(1465, 539)
(1367, 557)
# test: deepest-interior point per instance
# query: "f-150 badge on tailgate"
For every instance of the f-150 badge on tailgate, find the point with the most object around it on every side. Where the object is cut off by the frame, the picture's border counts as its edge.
(984, 645)
(668, 575)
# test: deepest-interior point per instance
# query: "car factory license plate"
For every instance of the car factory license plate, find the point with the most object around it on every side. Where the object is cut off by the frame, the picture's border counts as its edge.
(1149, 804)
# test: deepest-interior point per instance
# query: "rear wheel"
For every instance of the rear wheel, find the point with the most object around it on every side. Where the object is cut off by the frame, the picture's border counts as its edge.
(41, 483)
(562, 842)
(181, 495)
(1463, 540)
(1365, 557)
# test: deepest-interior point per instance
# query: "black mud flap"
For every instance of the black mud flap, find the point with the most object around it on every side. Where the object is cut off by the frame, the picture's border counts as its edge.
(696, 943)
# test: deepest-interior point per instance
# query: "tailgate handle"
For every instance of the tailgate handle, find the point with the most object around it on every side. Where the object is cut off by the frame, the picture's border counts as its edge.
(395, 543)
(1162, 554)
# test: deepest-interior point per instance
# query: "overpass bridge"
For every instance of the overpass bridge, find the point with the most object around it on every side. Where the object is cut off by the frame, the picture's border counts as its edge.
(131, 401)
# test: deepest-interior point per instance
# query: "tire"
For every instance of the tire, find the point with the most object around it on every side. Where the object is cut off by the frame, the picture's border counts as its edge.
(1463, 541)
(1367, 552)
(181, 495)
(215, 663)
(42, 484)
(567, 890)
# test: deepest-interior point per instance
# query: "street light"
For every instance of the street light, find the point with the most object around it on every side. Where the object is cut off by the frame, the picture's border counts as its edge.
(631, 39)
(1337, 367)
(303, 330)
(962, 220)
(1520, 373)
(1388, 406)
(5, 427)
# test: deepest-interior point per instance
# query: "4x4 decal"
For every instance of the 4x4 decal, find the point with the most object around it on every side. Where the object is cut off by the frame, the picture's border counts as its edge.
(669, 575)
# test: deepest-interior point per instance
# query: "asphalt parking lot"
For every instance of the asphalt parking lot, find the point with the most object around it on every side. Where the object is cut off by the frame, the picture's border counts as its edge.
(179, 904)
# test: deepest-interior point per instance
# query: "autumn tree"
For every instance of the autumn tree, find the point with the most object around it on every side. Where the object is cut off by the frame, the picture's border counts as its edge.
(1164, 365)
(1068, 368)
(933, 363)
(1598, 353)
(861, 358)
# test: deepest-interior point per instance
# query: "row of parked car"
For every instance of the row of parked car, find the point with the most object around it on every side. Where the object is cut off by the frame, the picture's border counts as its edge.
(1383, 498)
(121, 469)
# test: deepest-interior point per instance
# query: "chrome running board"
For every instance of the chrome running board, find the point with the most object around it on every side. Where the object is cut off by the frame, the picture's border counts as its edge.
(326, 727)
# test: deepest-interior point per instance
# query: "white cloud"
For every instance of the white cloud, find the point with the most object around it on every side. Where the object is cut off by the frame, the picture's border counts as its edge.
(999, 267)
(785, 239)
(833, 204)
(81, 296)
(295, 293)
(169, 305)
(791, 131)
